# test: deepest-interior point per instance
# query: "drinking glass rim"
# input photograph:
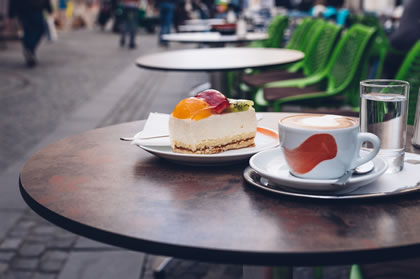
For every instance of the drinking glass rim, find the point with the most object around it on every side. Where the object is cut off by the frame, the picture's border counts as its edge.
(370, 83)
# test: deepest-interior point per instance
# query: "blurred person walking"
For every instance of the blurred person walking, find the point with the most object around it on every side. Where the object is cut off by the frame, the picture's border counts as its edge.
(180, 14)
(31, 16)
(105, 13)
(130, 10)
(62, 18)
(4, 4)
(4, 9)
(166, 11)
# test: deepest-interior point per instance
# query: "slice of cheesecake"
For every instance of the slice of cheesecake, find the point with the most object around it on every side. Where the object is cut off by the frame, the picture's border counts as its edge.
(210, 123)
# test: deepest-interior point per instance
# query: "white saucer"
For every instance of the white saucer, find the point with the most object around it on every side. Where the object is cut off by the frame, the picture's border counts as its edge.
(271, 165)
(265, 139)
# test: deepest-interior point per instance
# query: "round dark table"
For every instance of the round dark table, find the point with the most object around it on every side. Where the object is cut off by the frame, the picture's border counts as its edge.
(99, 187)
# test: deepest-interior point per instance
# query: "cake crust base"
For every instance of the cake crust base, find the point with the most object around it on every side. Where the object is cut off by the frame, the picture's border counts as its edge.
(249, 142)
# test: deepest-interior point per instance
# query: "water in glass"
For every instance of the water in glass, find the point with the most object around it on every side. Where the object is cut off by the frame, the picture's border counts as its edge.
(385, 116)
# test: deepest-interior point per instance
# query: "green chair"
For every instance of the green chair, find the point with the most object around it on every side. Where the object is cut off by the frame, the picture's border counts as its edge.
(298, 37)
(380, 49)
(371, 67)
(301, 35)
(374, 60)
(410, 71)
(381, 46)
(322, 40)
(314, 26)
(327, 87)
(297, 41)
(275, 33)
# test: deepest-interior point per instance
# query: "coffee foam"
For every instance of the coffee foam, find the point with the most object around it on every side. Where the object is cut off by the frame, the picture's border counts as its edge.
(318, 121)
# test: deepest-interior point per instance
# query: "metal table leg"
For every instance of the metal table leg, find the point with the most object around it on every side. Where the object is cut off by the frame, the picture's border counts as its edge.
(264, 272)
(218, 81)
(159, 265)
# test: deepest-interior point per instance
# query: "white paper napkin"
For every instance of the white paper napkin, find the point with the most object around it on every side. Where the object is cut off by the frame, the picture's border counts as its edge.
(155, 131)
(392, 182)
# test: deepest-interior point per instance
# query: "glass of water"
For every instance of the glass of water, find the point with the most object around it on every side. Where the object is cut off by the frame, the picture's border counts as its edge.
(383, 112)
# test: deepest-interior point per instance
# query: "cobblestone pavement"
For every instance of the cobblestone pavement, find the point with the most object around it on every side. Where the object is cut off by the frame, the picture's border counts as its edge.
(34, 248)
(75, 74)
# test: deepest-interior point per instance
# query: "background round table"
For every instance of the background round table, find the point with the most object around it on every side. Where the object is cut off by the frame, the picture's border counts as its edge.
(208, 21)
(99, 187)
(213, 38)
(216, 61)
(194, 28)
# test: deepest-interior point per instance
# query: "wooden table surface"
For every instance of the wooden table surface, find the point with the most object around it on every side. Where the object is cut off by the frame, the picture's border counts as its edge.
(218, 59)
(97, 186)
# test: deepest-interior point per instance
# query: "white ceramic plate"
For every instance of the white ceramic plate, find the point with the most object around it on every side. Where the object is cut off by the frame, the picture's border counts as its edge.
(271, 165)
(265, 139)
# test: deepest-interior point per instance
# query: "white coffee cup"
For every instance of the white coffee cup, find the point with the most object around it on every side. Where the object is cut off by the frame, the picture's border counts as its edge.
(323, 146)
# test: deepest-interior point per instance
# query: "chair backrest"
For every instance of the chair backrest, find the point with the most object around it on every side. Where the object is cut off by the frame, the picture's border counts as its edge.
(309, 32)
(306, 39)
(410, 71)
(347, 57)
(276, 31)
(371, 64)
(375, 61)
(298, 36)
(320, 47)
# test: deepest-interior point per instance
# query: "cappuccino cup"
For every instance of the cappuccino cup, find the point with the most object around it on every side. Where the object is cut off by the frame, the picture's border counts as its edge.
(323, 146)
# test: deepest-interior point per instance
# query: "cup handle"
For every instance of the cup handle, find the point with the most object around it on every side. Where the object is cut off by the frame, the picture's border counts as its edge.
(366, 137)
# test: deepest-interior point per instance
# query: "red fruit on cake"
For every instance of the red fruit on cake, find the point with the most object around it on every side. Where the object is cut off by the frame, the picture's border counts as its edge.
(215, 99)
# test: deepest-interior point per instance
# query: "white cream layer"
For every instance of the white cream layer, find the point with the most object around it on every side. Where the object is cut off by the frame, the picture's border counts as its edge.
(216, 126)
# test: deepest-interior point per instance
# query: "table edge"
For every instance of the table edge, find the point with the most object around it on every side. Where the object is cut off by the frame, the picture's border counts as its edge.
(210, 70)
(216, 255)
